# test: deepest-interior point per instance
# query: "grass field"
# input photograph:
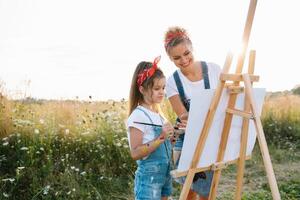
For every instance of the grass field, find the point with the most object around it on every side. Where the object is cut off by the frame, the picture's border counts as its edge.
(79, 150)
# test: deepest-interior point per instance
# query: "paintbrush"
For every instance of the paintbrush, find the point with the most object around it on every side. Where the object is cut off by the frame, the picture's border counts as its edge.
(157, 125)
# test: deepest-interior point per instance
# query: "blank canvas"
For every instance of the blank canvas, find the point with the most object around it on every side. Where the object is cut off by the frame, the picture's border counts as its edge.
(200, 104)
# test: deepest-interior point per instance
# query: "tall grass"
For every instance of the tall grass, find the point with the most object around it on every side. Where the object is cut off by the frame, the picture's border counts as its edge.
(281, 121)
(65, 150)
(79, 149)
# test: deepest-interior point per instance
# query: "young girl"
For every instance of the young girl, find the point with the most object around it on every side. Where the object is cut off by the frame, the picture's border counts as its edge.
(149, 144)
(190, 77)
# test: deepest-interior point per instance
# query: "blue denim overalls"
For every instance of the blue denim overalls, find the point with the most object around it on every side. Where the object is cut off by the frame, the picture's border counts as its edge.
(202, 184)
(152, 177)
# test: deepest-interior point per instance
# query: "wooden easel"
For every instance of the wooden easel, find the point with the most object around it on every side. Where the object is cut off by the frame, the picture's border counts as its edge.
(250, 112)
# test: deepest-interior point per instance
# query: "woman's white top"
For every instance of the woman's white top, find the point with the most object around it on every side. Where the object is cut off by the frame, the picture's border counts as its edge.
(190, 87)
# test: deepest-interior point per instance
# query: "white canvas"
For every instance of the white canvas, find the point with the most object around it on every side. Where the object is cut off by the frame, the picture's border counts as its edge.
(200, 103)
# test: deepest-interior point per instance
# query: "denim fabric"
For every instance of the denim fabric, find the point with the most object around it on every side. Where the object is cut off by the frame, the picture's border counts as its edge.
(152, 177)
(153, 181)
(179, 143)
(201, 186)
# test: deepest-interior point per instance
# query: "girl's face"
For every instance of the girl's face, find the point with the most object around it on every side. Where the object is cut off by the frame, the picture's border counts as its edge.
(181, 55)
(156, 93)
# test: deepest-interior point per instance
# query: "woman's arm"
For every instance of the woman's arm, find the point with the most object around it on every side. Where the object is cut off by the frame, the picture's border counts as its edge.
(178, 107)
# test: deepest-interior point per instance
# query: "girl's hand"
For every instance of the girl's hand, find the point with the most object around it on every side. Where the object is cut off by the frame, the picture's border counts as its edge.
(167, 129)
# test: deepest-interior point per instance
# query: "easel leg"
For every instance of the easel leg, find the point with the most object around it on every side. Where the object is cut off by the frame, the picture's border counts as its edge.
(243, 150)
(244, 136)
(262, 140)
(187, 185)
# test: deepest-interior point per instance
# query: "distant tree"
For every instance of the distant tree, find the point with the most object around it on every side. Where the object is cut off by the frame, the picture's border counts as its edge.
(296, 90)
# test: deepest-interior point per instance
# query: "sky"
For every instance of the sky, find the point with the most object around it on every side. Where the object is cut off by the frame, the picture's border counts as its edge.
(67, 49)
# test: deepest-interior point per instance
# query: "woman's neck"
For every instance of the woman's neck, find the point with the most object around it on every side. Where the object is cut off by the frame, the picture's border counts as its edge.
(193, 73)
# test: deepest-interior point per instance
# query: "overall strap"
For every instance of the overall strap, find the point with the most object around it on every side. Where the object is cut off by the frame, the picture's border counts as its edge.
(145, 114)
(180, 89)
(161, 118)
(205, 75)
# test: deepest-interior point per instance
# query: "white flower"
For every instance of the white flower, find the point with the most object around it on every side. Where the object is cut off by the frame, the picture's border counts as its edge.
(20, 168)
(24, 148)
(46, 190)
(5, 195)
(36, 131)
(5, 144)
(42, 121)
(83, 173)
(118, 144)
(67, 131)
(8, 179)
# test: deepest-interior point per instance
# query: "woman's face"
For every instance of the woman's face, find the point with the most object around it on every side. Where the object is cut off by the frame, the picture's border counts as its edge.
(181, 55)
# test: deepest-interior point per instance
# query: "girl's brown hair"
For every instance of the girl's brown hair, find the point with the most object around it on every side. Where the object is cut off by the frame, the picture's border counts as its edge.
(135, 96)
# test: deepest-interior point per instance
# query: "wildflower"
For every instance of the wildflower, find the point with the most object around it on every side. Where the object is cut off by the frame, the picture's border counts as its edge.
(42, 149)
(42, 121)
(67, 131)
(8, 179)
(83, 173)
(5, 195)
(85, 133)
(4, 139)
(5, 144)
(20, 168)
(24, 148)
(36, 131)
(118, 144)
(46, 190)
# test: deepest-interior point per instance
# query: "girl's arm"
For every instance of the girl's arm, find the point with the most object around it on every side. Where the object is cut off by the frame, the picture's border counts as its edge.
(139, 150)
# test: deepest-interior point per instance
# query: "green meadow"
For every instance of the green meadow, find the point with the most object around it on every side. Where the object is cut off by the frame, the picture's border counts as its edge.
(79, 150)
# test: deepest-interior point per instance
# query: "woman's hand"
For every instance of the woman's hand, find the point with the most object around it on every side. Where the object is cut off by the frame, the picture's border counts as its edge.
(184, 116)
(183, 120)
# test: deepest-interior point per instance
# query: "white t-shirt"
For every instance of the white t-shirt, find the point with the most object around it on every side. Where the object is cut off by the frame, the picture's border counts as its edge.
(139, 116)
(190, 87)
